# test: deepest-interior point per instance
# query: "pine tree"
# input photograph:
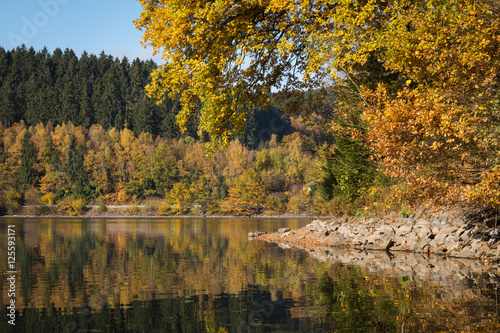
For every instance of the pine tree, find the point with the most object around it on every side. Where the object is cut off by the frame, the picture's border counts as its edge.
(348, 171)
(26, 175)
(51, 155)
(81, 180)
(8, 113)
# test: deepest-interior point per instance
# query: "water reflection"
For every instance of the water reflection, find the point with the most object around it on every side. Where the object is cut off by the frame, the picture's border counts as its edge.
(203, 275)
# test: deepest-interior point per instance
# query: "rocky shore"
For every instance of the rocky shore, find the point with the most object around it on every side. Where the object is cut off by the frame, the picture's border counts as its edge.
(444, 234)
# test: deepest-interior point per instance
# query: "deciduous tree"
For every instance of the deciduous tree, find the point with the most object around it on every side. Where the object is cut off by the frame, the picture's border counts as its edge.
(432, 122)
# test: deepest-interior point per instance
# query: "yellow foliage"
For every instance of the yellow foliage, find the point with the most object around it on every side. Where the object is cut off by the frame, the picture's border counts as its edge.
(73, 207)
(123, 197)
(435, 127)
(246, 197)
(48, 199)
(180, 198)
(133, 210)
(164, 209)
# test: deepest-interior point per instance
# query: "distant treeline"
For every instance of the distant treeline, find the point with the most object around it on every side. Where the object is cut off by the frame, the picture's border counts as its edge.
(68, 165)
(40, 87)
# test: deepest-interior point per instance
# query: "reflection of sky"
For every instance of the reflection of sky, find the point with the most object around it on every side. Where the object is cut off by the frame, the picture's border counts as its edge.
(89, 25)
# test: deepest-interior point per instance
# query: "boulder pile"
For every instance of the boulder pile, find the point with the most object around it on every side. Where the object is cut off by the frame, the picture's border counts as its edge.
(440, 234)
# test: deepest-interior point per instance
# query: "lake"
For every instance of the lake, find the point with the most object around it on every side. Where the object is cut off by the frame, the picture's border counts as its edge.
(204, 275)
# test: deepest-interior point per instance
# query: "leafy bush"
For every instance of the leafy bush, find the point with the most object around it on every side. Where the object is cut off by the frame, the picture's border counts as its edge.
(275, 204)
(164, 209)
(133, 210)
(71, 206)
(101, 206)
(299, 203)
(48, 199)
(14, 200)
(31, 196)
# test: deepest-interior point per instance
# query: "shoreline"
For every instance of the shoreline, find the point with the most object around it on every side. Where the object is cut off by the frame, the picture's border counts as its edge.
(143, 216)
(443, 234)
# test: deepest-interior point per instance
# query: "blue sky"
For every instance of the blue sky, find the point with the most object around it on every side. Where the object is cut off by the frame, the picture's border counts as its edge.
(81, 25)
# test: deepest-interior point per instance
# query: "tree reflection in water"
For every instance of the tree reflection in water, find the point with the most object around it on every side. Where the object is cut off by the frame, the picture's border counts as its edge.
(200, 275)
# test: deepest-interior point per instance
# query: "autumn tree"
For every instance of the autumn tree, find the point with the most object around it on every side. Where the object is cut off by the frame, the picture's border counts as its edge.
(440, 133)
(426, 73)
(247, 196)
(205, 46)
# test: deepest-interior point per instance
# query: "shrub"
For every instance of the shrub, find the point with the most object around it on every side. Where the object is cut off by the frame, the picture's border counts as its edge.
(123, 197)
(77, 207)
(31, 196)
(72, 207)
(14, 201)
(299, 203)
(164, 209)
(133, 210)
(101, 206)
(275, 204)
(48, 199)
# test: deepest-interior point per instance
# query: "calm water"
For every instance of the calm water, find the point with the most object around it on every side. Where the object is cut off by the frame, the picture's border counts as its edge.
(203, 275)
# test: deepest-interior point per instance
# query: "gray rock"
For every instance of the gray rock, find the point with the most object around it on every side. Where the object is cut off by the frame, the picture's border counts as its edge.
(423, 222)
(475, 245)
(440, 239)
(466, 235)
(447, 231)
(345, 231)
(414, 246)
(459, 222)
(465, 253)
(403, 230)
(422, 231)
(379, 243)
(283, 230)
(322, 233)
(404, 220)
(374, 220)
(386, 230)
(334, 226)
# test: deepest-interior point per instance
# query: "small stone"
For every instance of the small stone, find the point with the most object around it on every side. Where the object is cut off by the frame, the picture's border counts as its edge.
(322, 233)
(403, 230)
(465, 236)
(440, 239)
(447, 231)
(465, 253)
(422, 231)
(283, 230)
(379, 244)
(346, 232)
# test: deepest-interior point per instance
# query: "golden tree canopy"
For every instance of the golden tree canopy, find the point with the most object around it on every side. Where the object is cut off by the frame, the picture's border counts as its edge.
(440, 113)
